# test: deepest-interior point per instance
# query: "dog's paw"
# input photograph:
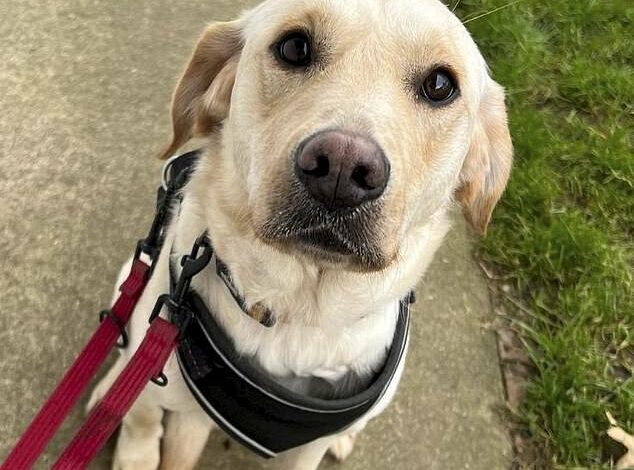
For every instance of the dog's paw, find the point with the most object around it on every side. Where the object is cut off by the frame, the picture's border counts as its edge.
(135, 462)
(343, 446)
(138, 444)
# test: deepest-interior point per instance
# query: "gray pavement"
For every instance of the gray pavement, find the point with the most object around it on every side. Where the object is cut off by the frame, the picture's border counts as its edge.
(85, 87)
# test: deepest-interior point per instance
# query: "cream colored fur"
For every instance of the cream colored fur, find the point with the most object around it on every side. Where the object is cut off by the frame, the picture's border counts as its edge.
(333, 317)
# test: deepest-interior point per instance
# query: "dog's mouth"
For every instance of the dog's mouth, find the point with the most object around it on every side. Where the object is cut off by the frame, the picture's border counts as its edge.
(325, 239)
(326, 243)
(349, 237)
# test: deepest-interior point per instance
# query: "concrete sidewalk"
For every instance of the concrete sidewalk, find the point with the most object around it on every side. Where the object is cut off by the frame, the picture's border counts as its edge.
(84, 106)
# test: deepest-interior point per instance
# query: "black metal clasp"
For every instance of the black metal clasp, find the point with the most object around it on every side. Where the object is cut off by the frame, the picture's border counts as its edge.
(151, 244)
(192, 264)
(175, 302)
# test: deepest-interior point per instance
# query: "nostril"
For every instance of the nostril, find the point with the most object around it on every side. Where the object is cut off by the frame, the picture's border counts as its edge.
(360, 176)
(321, 169)
(364, 178)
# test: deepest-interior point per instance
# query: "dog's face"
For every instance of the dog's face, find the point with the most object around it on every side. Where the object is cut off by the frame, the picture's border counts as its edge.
(348, 123)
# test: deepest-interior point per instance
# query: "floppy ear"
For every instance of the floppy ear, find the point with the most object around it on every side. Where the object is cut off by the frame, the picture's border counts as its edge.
(202, 97)
(487, 165)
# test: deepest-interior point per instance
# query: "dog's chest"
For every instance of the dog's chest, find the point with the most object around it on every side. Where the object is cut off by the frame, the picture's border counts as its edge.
(322, 362)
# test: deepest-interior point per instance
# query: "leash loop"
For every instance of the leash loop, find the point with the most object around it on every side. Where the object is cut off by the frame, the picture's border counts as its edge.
(171, 184)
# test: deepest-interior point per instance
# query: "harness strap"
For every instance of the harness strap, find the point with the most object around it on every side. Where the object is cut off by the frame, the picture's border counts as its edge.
(148, 361)
(69, 389)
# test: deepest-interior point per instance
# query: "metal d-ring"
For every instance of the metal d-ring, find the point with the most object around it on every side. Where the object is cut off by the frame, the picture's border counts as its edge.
(124, 340)
(160, 380)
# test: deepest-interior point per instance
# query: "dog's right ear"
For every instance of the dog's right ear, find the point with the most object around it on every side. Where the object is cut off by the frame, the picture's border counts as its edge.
(488, 162)
(203, 95)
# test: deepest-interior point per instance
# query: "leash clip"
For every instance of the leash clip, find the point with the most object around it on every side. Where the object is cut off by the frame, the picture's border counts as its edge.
(192, 264)
(175, 302)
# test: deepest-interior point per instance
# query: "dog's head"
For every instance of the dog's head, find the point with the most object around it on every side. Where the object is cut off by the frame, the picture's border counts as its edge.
(344, 124)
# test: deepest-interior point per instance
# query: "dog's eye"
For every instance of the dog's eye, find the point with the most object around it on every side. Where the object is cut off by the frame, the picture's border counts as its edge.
(438, 87)
(294, 49)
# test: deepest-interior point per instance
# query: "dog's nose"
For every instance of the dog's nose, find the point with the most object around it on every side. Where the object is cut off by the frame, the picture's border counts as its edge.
(342, 169)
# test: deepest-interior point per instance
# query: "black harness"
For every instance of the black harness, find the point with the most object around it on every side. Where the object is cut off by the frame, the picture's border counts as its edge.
(252, 408)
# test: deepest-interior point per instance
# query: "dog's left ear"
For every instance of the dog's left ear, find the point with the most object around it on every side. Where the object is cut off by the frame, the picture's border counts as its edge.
(487, 165)
(202, 97)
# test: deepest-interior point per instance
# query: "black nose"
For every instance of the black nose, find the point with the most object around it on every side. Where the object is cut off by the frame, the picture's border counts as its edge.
(342, 169)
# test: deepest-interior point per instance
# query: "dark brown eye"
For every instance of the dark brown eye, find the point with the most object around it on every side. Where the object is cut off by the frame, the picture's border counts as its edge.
(438, 87)
(294, 49)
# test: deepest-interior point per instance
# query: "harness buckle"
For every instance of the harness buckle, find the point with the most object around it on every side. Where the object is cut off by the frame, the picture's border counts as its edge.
(167, 192)
(143, 247)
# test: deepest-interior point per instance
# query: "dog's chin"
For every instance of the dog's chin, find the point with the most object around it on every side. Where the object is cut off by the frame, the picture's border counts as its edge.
(348, 238)
(329, 255)
(328, 249)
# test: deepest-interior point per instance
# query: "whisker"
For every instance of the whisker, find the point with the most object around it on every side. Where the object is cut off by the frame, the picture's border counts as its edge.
(455, 6)
(482, 15)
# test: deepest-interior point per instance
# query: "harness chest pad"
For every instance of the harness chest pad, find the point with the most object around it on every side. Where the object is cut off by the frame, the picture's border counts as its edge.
(257, 411)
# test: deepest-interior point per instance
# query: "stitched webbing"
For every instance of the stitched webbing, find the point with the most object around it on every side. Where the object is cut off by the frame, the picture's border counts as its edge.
(69, 389)
(148, 361)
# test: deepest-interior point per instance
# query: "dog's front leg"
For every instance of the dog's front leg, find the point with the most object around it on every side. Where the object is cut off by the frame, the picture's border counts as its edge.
(185, 437)
(138, 445)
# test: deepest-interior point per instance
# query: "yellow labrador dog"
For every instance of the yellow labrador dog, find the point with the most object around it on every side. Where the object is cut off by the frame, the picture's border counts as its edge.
(339, 134)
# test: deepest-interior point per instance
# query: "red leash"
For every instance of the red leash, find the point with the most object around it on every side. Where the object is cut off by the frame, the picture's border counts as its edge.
(147, 363)
(60, 402)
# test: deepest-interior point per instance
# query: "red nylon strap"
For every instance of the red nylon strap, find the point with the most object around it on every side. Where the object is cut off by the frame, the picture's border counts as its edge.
(148, 361)
(64, 397)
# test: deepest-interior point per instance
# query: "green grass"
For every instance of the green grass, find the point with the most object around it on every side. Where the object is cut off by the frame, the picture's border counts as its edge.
(563, 232)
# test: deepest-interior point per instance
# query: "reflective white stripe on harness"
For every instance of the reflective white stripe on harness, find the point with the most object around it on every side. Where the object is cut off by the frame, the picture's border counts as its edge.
(218, 418)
